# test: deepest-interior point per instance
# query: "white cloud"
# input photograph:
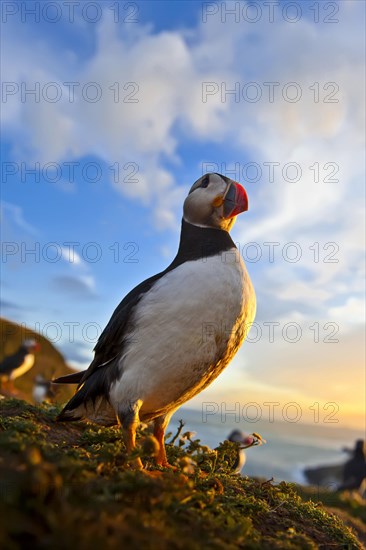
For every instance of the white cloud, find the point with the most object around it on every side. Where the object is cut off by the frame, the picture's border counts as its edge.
(21, 248)
(301, 291)
(70, 255)
(353, 311)
(159, 86)
(167, 70)
(88, 281)
(13, 214)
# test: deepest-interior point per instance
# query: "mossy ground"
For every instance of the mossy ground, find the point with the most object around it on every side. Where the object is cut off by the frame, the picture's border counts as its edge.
(69, 485)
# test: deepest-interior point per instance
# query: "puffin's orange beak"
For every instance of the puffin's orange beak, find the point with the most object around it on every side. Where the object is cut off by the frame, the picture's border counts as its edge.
(236, 200)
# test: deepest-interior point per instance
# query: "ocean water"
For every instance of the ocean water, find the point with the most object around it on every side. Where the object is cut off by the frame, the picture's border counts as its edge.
(290, 447)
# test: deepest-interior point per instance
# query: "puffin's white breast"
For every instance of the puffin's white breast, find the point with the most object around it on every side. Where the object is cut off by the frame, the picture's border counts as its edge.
(192, 317)
(39, 393)
(24, 367)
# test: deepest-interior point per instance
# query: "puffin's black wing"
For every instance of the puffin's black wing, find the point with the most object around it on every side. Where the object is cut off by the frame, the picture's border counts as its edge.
(12, 362)
(111, 342)
(111, 339)
(74, 378)
(104, 369)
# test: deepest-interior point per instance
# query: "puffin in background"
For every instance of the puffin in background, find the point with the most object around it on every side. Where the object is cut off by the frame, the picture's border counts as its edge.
(237, 436)
(19, 363)
(174, 333)
(42, 390)
(354, 470)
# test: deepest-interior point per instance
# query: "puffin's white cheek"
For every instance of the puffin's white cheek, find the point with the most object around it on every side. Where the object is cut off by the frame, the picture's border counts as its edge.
(218, 213)
(198, 211)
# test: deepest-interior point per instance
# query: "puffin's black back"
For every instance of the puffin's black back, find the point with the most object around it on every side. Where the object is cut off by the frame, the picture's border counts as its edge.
(14, 361)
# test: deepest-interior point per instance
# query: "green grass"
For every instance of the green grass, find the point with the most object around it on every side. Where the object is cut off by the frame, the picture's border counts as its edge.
(70, 484)
(343, 500)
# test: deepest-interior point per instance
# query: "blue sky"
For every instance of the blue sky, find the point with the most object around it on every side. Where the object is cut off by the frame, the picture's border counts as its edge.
(251, 97)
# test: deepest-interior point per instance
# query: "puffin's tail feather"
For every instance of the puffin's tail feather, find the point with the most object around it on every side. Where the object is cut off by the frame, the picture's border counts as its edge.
(74, 378)
(95, 388)
(68, 416)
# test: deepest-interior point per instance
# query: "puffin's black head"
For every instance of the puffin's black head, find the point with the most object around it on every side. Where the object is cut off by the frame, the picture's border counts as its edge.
(237, 436)
(215, 201)
(30, 345)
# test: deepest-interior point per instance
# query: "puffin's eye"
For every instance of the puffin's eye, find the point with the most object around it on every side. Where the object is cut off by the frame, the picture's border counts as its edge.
(205, 182)
(201, 183)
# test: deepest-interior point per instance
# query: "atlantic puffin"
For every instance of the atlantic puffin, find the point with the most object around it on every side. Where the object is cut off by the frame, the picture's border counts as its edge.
(175, 332)
(42, 389)
(237, 436)
(354, 470)
(19, 363)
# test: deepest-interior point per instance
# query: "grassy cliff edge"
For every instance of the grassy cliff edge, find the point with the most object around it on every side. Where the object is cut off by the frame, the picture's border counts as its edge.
(70, 484)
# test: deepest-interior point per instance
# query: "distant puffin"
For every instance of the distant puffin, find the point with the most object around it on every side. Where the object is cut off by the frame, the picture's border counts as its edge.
(18, 364)
(237, 436)
(174, 333)
(42, 390)
(354, 470)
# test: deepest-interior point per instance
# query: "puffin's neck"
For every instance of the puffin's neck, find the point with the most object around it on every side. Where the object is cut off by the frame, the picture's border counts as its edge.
(197, 243)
